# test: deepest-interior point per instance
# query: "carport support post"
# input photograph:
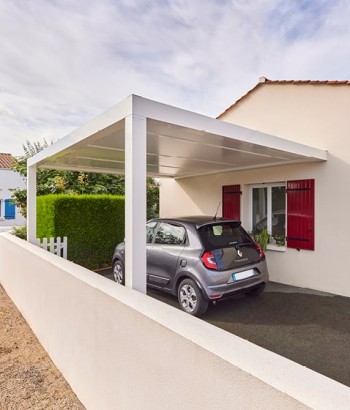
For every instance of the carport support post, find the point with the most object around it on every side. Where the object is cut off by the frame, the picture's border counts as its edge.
(135, 202)
(31, 203)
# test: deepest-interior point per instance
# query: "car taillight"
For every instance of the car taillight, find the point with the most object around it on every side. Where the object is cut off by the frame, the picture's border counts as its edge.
(260, 250)
(208, 260)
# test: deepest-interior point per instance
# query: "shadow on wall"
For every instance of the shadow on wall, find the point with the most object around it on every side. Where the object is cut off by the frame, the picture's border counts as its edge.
(204, 193)
(198, 196)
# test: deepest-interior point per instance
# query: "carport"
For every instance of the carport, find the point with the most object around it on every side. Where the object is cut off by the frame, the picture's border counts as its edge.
(141, 137)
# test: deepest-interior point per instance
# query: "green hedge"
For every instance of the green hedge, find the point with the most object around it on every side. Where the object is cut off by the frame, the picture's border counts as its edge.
(93, 224)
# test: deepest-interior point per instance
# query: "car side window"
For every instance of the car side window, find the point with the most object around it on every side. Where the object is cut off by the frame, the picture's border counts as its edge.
(150, 230)
(169, 234)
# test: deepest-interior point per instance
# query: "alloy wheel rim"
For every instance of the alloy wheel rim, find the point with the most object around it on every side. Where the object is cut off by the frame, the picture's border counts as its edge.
(188, 298)
(118, 274)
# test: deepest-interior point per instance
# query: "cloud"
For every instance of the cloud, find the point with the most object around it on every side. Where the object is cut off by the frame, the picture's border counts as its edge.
(300, 19)
(63, 62)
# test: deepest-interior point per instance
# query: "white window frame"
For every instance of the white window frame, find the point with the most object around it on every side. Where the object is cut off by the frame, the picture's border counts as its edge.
(269, 186)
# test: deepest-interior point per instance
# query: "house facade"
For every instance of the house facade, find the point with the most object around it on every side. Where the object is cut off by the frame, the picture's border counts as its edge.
(304, 206)
(9, 213)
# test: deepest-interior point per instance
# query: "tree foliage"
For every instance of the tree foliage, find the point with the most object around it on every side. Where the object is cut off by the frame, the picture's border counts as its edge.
(73, 182)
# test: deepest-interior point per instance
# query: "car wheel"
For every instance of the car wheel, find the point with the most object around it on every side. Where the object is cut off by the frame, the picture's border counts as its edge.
(118, 272)
(256, 291)
(191, 299)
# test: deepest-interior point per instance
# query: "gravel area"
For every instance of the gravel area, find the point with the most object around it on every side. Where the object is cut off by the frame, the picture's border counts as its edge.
(28, 377)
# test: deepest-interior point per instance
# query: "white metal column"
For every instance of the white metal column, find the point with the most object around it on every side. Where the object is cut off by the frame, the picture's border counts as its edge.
(31, 203)
(135, 202)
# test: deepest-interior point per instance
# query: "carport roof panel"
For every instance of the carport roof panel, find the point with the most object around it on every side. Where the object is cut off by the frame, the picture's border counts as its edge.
(179, 144)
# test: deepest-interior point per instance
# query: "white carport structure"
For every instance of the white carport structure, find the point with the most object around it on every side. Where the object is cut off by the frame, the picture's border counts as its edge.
(142, 137)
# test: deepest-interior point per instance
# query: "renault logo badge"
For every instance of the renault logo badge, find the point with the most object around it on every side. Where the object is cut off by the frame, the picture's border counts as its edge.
(240, 254)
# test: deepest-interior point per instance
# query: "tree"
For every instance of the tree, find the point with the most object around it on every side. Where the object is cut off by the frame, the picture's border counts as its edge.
(74, 182)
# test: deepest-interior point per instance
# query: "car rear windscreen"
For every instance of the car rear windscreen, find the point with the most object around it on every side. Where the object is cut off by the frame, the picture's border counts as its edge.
(223, 235)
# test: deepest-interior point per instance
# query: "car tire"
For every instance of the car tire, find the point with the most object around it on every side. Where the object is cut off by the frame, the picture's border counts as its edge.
(191, 299)
(118, 272)
(256, 291)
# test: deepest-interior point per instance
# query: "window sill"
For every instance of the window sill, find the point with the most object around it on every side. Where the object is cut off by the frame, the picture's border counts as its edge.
(271, 247)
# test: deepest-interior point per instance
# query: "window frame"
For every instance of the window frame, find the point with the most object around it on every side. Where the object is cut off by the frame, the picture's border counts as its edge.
(269, 186)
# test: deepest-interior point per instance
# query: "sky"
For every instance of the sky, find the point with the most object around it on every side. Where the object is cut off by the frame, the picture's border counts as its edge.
(62, 62)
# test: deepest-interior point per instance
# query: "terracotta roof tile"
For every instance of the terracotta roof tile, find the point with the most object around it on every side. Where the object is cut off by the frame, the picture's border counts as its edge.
(264, 80)
(6, 160)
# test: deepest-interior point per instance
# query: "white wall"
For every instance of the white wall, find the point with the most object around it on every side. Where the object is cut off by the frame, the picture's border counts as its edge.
(311, 269)
(10, 180)
(316, 116)
(120, 349)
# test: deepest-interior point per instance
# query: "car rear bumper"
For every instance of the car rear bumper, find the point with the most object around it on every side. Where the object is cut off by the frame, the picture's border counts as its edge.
(223, 291)
(239, 291)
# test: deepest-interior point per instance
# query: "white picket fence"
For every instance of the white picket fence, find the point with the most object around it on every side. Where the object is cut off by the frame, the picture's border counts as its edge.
(57, 246)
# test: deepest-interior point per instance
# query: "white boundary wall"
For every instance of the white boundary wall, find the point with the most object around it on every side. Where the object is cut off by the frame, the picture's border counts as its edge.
(120, 349)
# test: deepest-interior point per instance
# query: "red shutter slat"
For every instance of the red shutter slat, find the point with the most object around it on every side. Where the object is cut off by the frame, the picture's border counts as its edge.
(301, 214)
(231, 202)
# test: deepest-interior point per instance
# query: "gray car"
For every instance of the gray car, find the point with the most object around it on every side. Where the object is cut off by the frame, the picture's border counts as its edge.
(200, 260)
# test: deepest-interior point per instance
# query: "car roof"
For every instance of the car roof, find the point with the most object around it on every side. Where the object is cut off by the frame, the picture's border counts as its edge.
(198, 220)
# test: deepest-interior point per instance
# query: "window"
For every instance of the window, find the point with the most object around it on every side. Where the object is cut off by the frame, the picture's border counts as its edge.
(223, 235)
(287, 211)
(150, 230)
(268, 204)
(169, 234)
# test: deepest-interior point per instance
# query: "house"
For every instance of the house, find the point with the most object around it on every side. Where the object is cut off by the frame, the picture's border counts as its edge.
(9, 180)
(304, 206)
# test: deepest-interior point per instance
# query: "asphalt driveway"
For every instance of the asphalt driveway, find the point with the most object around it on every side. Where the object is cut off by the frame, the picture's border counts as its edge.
(310, 328)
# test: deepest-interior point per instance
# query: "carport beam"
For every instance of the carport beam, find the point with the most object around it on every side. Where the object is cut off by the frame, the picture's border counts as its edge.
(31, 203)
(135, 202)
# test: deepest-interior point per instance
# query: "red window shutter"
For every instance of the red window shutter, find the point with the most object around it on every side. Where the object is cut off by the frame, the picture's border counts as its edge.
(231, 202)
(301, 214)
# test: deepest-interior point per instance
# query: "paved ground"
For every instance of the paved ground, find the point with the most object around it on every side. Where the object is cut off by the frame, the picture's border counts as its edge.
(309, 327)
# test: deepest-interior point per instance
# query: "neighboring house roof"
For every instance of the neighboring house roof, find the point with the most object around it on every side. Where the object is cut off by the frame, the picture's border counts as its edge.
(264, 81)
(6, 161)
